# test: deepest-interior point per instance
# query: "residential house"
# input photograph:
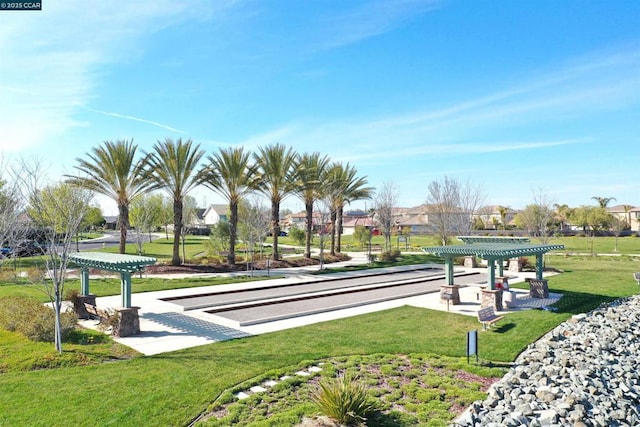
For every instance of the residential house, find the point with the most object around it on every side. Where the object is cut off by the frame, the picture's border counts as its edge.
(214, 214)
(492, 218)
(635, 219)
(110, 222)
(415, 224)
(350, 223)
(628, 214)
(197, 219)
(299, 220)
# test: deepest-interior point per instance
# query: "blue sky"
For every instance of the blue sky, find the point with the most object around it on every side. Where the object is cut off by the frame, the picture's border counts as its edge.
(516, 96)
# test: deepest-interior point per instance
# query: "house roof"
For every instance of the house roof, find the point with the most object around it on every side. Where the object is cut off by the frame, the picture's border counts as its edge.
(355, 213)
(110, 219)
(415, 210)
(366, 221)
(413, 220)
(494, 209)
(302, 214)
(621, 208)
(219, 209)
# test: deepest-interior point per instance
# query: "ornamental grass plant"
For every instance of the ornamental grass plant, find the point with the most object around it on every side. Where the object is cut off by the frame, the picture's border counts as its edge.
(344, 400)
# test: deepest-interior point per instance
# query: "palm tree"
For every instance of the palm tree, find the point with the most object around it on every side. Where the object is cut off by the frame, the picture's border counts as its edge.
(627, 211)
(354, 190)
(309, 171)
(563, 212)
(111, 170)
(342, 187)
(603, 202)
(173, 167)
(275, 165)
(502, 210)
(230, 174)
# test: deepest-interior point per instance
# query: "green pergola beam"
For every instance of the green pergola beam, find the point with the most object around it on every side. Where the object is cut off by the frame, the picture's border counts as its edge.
(493, 240)
(121, 263)
(498, 250)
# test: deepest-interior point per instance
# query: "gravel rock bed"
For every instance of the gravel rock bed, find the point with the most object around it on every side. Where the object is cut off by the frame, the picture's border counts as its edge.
(582, 373)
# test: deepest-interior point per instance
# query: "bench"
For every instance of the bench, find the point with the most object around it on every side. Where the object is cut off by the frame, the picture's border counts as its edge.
(96, 313)
(538, 288)
(487, 316)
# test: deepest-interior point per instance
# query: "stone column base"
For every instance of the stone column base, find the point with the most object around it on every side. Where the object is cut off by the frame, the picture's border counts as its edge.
(129, 322)
(450, 294)
(514, 265)
(491, 298)
(78, 305)
(470, 262)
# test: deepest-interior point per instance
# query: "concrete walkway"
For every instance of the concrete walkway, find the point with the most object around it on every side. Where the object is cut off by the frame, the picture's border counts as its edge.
(166, 327)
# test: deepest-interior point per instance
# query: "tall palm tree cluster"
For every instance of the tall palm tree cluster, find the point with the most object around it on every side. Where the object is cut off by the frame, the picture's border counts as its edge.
(115, 170)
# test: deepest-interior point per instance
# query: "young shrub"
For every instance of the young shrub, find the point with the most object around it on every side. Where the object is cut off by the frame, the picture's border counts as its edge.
(72, 296)
(344, 399)
(297, 234)
(390, 256)
(32, 319)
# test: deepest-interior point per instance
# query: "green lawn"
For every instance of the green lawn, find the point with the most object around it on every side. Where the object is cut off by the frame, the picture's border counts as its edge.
(172, 388)
(603, 245)
(163, 248)
(110, 286)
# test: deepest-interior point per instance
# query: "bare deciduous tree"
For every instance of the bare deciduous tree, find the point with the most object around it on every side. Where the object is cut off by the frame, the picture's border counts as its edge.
(58, 210)
(12, 207)
(451, 206)
(145, 215)
(253, 226)
(537, 217)
(384, 202)
(617, 227)
(323, 209)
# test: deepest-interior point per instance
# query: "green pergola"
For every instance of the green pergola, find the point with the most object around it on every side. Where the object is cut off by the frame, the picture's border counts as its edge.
(493, 249)
(120, 263)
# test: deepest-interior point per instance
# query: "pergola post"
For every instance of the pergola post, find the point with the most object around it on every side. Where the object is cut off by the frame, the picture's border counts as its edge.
(500, 267)
(449, 270)
(84, 281)
(491, 272)
(539, 266)
(125, 289)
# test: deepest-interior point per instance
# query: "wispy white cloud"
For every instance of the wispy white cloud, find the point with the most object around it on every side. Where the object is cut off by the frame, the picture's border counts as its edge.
(133, 118)
(280, 134)
(52, 60)
(371, 19)
(608, 81)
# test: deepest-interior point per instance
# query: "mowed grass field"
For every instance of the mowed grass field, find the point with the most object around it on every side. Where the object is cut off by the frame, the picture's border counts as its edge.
(173, 388)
